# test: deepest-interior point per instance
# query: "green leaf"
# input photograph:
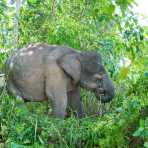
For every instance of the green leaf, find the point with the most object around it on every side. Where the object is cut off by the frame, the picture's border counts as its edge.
(139, 132)
(146, 144)
(16, 145)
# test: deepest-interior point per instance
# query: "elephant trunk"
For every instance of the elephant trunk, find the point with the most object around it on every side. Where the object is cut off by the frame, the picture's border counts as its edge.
(106, 91)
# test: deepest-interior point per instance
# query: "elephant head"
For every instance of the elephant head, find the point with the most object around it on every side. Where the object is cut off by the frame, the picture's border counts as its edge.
(94, 76)
(87, 69)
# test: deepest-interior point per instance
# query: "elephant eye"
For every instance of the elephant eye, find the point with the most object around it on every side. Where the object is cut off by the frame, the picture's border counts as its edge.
(98, 76)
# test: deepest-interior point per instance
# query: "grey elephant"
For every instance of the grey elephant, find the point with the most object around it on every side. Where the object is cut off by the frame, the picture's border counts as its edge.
(56, 73)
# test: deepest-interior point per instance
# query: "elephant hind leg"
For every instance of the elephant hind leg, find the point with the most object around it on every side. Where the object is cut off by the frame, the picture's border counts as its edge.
(12, 89)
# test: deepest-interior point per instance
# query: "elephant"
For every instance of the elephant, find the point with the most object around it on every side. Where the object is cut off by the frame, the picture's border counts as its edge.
(56, 73)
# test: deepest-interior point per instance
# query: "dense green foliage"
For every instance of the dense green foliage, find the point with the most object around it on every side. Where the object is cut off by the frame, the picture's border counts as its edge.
(106, 26)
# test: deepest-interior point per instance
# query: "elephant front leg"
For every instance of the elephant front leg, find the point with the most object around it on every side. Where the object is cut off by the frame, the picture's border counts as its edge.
(57, 96)
(58, 102)
(75, 103)
(59, 107)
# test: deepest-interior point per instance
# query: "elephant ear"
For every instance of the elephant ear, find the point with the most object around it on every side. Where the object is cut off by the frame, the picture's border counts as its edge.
(71, 65)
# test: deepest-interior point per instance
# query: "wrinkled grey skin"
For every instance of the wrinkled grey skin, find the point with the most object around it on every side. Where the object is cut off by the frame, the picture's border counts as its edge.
(56, 73)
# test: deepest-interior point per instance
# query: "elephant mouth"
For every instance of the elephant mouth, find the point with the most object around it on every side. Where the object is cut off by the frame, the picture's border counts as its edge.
(102, 95)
